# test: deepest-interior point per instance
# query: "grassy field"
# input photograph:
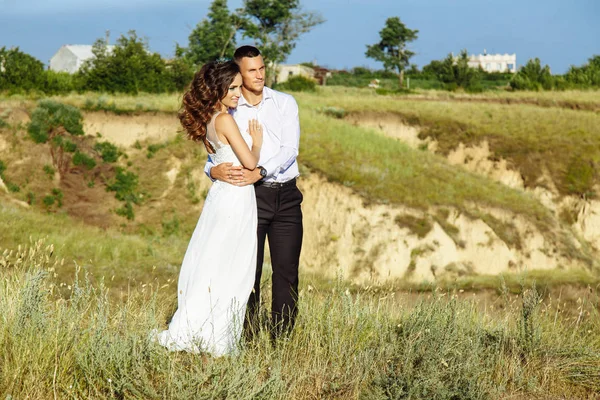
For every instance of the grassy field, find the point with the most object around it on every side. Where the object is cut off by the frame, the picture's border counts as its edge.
(79, 301)
(347, 344)
(564, 142)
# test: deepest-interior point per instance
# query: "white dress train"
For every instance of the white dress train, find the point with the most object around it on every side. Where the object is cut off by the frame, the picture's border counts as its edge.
(218, 270)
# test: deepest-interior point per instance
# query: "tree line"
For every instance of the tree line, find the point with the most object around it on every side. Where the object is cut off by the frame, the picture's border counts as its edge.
(454, 72)
(130, 67)
(274, 26)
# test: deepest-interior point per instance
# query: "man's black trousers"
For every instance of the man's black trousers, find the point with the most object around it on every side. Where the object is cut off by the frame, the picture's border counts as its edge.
(279, 220)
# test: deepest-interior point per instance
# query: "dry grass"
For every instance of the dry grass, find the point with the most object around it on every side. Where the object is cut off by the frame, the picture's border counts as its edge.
(366, 343)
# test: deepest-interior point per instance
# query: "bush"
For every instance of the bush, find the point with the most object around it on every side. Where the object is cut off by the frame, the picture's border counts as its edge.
(532, 76)
(129, 68)
(49, 115)
(125, 186)
(108, 151)
(65, 144)
(153, 148)
(48, 200)
(83, 159)
(58, 82)
(12, 187)
(298, 84)
(20, 71)
(58, 195)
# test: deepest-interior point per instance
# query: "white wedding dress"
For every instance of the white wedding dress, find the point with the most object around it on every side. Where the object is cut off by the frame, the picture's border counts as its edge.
(218, 270)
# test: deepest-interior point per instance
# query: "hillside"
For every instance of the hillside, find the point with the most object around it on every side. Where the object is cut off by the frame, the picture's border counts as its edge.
(376, 208)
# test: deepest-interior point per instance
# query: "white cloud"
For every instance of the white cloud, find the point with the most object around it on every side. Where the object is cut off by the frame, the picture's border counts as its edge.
(49, 7)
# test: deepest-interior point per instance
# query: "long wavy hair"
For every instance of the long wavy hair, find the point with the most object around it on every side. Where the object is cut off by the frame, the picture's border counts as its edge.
(203, 96)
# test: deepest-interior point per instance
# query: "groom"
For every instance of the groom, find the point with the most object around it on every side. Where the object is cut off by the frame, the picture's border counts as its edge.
(277, 196)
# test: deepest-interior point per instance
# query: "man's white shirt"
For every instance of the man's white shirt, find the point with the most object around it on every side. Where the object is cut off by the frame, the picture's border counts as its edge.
(278, 114)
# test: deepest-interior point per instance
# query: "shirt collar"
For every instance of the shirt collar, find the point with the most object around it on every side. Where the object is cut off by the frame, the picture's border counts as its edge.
(267, 94)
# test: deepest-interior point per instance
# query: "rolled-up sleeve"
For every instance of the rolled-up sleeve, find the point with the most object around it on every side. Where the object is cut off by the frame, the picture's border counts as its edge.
(290, 140)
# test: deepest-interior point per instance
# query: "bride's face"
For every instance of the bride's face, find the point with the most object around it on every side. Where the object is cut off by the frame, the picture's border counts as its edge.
(233, 93)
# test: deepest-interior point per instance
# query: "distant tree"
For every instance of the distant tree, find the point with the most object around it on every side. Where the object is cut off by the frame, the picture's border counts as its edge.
(455, 72)
(19, 70)
(213, 37)
(587, 75)
(275, 26)
(391, 49)
(181, 72)
(129, 68)
(433, 69)
(532, 76)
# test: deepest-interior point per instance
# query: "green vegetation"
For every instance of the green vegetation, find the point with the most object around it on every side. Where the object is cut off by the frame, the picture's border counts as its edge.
(391, 49)
(386, 170)
(213, 38)
(125, 187)
(129, 68)
(50, 115)
(84, 160)
(153, 148)
(346, 344)
(108, 151)
(565, 143)
(20, 71)
(297, 84)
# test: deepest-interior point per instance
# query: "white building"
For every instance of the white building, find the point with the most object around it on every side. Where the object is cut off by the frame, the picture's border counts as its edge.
(69, 58)
(494, 62)
(286, 71)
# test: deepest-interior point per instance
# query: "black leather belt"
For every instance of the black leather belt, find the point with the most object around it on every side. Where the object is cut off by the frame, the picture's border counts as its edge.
(276, 185)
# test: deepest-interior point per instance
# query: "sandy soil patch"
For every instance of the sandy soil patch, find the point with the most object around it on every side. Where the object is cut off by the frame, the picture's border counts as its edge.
(125, 130)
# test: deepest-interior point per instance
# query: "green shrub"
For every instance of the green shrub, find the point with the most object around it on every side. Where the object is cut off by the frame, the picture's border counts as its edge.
(58, 195)
(19, 71)
(12, 187)
(49, 170)
(125, 185)
(2, 168)
(126, 211)
(49, 115)
(58, 82)
(153, 148)
(66, 144)
(298, 84)
(532, 76)
(108, 151)
(83, 159)
(48, 200)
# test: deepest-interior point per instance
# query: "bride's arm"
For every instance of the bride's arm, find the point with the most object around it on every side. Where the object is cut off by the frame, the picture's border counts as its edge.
(226, 126)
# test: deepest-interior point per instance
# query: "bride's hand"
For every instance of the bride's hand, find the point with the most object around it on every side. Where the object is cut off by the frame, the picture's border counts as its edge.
(256, 131)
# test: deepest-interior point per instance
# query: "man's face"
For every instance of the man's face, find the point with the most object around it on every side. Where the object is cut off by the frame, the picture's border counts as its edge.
(253, 73)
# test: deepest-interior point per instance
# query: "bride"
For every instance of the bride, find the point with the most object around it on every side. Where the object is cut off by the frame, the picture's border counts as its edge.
(217, 273)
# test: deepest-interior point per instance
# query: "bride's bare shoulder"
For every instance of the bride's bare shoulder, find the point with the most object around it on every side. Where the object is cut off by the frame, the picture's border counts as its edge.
(224, 120)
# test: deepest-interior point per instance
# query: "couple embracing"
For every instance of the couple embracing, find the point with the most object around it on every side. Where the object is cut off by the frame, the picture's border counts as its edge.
(251, 133)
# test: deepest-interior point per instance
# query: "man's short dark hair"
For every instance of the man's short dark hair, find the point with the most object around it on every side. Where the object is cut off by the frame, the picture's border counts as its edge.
(245, 51)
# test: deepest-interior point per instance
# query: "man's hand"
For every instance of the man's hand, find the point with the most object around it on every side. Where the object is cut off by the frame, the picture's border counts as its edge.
(249, 177)
(226, 172)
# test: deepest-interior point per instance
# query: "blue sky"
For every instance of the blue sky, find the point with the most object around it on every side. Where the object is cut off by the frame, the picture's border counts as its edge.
(561, 33)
